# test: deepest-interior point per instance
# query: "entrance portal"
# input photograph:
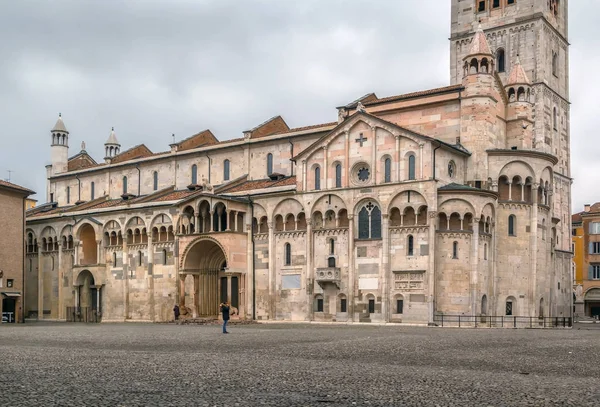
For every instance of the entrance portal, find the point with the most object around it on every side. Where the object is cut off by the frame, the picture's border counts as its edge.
(206, 262)
(9, 308)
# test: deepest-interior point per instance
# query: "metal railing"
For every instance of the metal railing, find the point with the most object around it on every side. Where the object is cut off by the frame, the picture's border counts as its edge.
(82, 314)
(503, 321)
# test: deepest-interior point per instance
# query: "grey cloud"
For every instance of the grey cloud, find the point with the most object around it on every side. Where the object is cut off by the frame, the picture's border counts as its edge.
(152, 68)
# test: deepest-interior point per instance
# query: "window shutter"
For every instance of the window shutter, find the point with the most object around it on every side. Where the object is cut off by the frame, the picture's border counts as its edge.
(590, 272)
(591, 248)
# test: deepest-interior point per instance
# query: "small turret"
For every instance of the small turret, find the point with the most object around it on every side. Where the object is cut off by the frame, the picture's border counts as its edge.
(59, 148)
(112, 147)
(479, 59)
(519, 111)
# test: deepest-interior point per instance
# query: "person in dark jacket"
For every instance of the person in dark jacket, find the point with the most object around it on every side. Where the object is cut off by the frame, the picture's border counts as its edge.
(225, 311)
(176, 311)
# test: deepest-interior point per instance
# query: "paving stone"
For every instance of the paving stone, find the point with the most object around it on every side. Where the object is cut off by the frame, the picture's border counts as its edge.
(295, 365)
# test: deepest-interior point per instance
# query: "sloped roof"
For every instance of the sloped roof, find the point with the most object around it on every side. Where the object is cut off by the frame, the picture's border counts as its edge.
(428, 92)
(260, 184)
(15, 187)
(112, 137)
(517, 74)
(201, 139)
(576, 218)
(138, 151)
(479, 45)
(60, 125)
(81, 161)
(274, 125)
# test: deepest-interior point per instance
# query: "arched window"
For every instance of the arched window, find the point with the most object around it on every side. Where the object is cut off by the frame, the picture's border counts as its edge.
(92, 191)
(410, 245)
(331, 246)
(124, 185)
(139, 258)
(411, 167)
(68, 194)
(512, 220)
(164, 257)
(194, 174)
(387, 170)
(555, 119)
(500, 62)
(555, 64)
(226, 170)
(288, 254)
(338, 176)
(331, 262)
(484, 304)
(269, 164)
(369, 222)
(455, 250)
(317, 178)
(155, 180)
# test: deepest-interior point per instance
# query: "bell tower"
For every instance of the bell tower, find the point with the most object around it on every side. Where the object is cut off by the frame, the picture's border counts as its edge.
(528, 41)
(59, 147)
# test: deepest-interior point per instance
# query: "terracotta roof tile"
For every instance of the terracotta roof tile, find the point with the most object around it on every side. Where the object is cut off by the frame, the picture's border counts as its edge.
(314, 126)
(262, 184)
(479, 45)
(274, 125)
(517, 74)
(428, 92)
(139, 151)
(16, 187)
(576, 218)
(201, 139)
(175, 196)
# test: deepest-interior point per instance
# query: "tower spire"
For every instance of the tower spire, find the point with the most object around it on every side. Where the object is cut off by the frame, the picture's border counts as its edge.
(112, 146)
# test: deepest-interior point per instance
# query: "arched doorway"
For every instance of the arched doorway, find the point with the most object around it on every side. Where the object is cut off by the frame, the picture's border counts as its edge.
(592, 303)
(205, 263)
(87, 298)
(89, 246)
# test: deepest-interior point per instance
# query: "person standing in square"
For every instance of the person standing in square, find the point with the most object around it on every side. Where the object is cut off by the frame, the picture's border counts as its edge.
(225, 312)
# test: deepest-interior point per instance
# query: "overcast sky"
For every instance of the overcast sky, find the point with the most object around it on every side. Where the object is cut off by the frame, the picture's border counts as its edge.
(152, 68)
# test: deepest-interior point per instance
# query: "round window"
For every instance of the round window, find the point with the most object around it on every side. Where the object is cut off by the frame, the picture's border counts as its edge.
(361, 174)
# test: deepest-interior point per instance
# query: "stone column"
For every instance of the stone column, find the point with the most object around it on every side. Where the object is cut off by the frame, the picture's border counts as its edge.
(351, 273)
(474, 267)
(150, 276)
(509, 190)
(271, 270)
(522, 191)
(40, 283)
(304, 175)
(346, 182)
(385, 272)
(533, 242)
(98, 288)
(61, 308)
(76, 244)
(397, 158)
(374, 163)
(99, 252)
(235, 221)
(195, 302)
(212, 221)
(421, 161)
(249, 266)
(229, 288)
(125, 280)
(310, 281)
(325, 165)
(196, 222)
(431, 281)
(182, 289)
(492, 259)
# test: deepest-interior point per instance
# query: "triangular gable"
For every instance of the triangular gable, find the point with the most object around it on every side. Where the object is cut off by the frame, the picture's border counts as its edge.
(80, 162)
(272, 126)
(139, 151)
(369, 97)
(204, 138)
(88, 218)
(391, 127)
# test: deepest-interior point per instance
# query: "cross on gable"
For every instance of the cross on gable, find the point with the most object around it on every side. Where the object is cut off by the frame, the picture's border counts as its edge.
(361, 139)
(370, 206)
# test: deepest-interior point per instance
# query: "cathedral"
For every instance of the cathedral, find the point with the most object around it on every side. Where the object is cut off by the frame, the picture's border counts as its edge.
(447, 201)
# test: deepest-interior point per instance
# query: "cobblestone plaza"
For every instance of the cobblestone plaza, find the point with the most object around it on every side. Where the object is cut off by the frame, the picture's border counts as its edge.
(296, 365)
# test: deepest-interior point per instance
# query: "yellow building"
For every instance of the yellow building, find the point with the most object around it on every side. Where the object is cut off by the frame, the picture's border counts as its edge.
(585, 237)
(30, 203)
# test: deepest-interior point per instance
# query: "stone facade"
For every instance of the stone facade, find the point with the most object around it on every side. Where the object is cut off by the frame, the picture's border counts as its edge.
(446, 201)
(12, 251)
(586, 248)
